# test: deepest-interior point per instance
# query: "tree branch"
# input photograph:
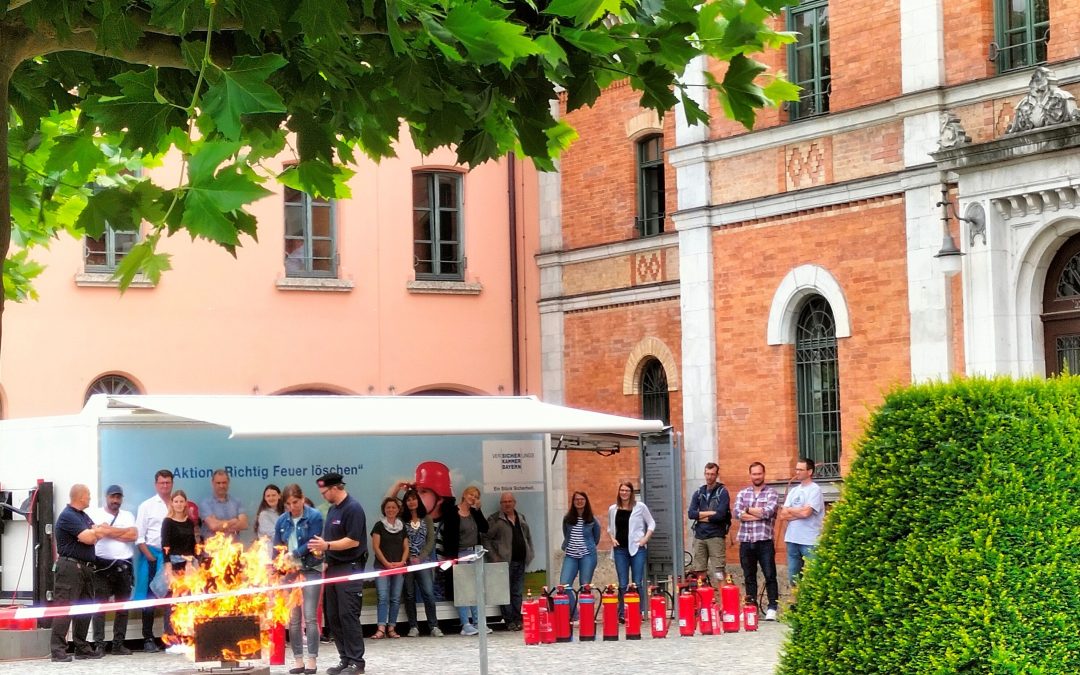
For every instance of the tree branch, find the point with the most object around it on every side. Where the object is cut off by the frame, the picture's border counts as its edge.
(152, 50)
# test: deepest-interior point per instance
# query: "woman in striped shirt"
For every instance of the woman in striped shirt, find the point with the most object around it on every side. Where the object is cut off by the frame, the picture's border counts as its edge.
(581, 532)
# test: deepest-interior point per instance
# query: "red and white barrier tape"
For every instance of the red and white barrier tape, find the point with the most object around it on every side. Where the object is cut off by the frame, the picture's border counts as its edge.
(94, 608)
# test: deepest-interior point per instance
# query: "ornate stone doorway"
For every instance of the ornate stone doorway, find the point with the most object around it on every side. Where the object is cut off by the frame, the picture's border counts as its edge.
(1061, 310)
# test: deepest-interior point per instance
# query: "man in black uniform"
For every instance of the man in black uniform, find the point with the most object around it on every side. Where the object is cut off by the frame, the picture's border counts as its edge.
(73, 574)
(344, 543)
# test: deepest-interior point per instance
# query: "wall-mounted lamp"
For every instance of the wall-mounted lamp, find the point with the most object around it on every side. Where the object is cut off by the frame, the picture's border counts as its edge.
(950, 254)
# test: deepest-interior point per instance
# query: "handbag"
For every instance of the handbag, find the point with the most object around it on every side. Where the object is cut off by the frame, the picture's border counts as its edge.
(159, 585)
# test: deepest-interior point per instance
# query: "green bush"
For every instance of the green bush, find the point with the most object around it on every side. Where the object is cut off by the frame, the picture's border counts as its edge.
(956, 546)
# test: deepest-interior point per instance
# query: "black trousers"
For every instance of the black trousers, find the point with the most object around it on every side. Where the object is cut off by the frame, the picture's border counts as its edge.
(148, 613)
(113, 581)
(73, 583)
(752, 554)
(342, 603)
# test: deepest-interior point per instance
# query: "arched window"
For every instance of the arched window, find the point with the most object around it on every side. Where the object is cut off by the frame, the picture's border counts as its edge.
(655, 404)
(817, 386)
(1061, 310)
(117, 385)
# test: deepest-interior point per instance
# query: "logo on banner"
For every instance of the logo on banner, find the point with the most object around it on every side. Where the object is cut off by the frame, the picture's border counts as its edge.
(514, 466)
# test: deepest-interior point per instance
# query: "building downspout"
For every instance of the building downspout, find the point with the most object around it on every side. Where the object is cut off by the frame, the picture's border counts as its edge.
(515, 337)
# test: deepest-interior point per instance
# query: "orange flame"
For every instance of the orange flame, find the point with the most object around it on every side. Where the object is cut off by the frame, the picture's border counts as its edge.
(229, 566)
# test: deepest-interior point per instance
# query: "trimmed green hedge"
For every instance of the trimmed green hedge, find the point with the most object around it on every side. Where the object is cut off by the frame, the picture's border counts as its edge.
(956, 546)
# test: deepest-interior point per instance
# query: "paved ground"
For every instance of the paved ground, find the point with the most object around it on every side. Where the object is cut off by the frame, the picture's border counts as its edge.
(732, 654)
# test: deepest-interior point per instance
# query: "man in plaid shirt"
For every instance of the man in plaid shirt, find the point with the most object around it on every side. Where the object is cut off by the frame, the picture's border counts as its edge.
(755, 507)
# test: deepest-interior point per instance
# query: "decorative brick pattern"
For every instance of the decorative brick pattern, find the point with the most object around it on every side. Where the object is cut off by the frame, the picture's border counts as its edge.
(647, 267)
(597, 275)
(868, 152)
(808, 164)
(1003, 114)
(748, 176)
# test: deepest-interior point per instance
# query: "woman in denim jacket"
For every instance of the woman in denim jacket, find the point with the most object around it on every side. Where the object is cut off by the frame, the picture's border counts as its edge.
(293, 530)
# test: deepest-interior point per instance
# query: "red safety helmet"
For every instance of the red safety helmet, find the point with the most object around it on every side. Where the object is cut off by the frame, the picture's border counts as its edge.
(434, 476)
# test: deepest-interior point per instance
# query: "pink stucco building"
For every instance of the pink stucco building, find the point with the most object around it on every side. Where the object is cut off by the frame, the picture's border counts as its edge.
(423, 281)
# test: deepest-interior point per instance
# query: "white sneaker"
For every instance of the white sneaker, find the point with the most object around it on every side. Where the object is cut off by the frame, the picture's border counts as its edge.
(469, 629)
(488, 630)
(414, 632)
(436, 632)
(770, 615)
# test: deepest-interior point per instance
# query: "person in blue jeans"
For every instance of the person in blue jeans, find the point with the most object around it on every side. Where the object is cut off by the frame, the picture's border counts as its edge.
(292, 530)
(581, 532)
(420, 529)
(803, 511)
(390, 544)
(630, 526)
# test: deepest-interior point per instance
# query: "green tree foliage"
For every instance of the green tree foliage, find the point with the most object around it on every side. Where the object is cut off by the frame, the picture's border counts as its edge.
(91, 89)
(956, 546)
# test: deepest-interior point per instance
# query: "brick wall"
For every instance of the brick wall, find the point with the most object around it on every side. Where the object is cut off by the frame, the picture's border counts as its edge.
(625, 271)
(600, 198)
(865, 51)
(598, 344)
(863, 246)
(1064, 30)
(969, 30)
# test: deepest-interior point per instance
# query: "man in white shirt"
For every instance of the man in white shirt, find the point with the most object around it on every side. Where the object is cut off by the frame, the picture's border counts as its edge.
(148, 523)
(115, 574)
(804, 509)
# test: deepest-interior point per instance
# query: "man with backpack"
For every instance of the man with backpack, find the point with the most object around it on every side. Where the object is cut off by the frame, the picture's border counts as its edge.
(710, 511)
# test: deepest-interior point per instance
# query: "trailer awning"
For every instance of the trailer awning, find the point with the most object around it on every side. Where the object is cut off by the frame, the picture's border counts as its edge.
(269, 416)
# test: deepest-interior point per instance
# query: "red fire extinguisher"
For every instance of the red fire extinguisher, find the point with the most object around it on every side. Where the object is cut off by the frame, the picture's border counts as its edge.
(530, 619)
(587, 608)
(560, 600)
(547, 628)
(658, 612)
(687, 610)
(277, 644)
(749, 612)
(706, 604)
(609, 603)
(729, 606)
(632, 602)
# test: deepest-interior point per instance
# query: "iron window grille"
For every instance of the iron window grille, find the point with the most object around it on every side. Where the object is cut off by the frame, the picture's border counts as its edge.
(650, 185)
(809, 62)
(437, 226)
(1023, 29)
(104, 253)
(116, 385)
(817, 384)
(655, 401)
(310, 235)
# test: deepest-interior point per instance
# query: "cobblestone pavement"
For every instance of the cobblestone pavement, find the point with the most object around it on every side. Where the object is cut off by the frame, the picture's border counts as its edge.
(732, 654)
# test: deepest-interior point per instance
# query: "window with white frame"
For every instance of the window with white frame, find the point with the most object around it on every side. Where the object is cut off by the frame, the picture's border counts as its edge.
(104, 253)
(438, 225)
(310, 235)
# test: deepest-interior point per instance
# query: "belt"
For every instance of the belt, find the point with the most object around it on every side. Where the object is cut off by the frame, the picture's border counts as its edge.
(78, 561)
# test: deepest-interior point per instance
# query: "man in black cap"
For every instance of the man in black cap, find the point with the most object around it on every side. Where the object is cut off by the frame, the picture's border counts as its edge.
(115, 574)
(344, 543)
(73, 573)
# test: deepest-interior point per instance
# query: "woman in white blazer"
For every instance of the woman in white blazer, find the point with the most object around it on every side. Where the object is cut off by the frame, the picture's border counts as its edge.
(630, 525)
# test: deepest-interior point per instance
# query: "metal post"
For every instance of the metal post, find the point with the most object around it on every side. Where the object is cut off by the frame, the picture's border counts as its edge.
(481, 608)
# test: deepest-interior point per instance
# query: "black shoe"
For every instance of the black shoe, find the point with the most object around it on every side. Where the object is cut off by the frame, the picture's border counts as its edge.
(353, 669)
(61, 658)
(118, 649)
(99, 648)
(92, 654)
(150, 647)
(296, 671)
(326, 638)
(338, 669)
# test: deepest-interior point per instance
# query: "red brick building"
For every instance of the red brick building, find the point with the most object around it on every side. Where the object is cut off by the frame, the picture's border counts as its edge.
(782, 280)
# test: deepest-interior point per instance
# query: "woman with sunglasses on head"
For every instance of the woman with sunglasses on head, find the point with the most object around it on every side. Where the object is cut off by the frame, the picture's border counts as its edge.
(292, 531)
(630, 525)
(420, 529)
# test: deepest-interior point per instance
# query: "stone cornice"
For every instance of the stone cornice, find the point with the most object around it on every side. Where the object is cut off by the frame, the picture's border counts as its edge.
(915, 103)
(602, 251)
(624, 296)
(1014, 146)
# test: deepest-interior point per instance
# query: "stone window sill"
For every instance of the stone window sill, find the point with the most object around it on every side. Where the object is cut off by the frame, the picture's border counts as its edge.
(106, 280)
(322, 284)
(433, 286)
